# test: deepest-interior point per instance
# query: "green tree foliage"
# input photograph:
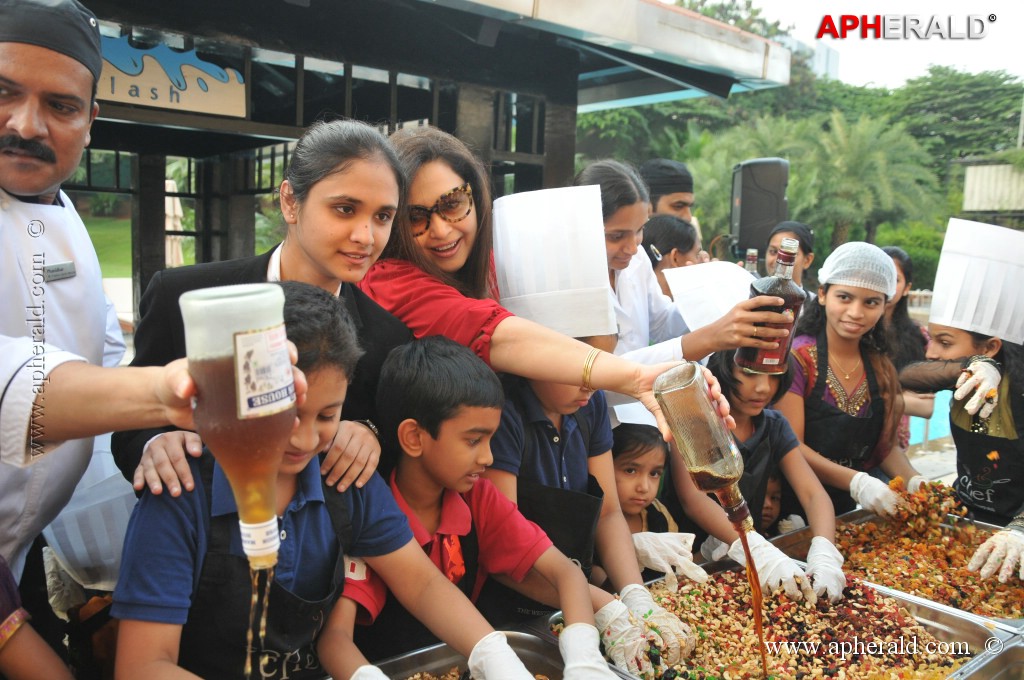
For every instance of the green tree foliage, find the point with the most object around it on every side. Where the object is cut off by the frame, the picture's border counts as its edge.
(923, 242)
(955, 114)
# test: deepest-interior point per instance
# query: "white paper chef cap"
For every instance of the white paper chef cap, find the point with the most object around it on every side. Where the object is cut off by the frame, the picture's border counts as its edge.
(551, 262)
(979, 284)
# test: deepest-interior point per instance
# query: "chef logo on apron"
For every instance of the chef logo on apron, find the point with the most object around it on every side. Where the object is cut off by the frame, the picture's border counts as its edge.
(979, 489)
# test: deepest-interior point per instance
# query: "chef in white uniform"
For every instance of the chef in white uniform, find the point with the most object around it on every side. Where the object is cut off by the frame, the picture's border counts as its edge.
(53, 297)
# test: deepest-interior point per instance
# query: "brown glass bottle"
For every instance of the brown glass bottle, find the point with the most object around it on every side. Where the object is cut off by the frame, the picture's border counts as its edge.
(750, 263)
(780, 284)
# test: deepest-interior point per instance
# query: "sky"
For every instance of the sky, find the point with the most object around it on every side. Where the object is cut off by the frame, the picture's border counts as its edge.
(890, 63)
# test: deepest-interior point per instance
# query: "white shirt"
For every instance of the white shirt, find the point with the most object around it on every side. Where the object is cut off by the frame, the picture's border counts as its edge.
(645, 315)
(37, 317)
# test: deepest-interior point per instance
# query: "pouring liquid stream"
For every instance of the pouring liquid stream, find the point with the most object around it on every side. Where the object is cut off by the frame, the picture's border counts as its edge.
(253, 606)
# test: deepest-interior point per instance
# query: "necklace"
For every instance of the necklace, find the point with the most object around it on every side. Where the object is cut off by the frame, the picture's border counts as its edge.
(846, 374)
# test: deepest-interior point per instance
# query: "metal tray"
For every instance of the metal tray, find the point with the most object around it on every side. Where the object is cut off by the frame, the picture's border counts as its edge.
(1008, 664)
(797, 543)
(540, 656)
(984, 638)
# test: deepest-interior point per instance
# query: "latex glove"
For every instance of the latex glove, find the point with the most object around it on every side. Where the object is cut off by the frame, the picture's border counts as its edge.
(982, 378)
(492, 657)
(915, 482)
(677, 640)
(873, 495)
(624, 639)
(713, 549)
(670, 553)
(774, 568)
(581, 652)
(368, 673)
(792, 523)
(1002, 551)
(825, 567)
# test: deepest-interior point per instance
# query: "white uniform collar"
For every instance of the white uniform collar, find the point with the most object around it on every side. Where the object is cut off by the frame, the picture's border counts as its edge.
(274, 268)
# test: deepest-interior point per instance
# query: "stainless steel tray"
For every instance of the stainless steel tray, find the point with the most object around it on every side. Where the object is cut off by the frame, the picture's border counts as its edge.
(797, 543)
(1007, 664)
(984, 638)
(541, 656)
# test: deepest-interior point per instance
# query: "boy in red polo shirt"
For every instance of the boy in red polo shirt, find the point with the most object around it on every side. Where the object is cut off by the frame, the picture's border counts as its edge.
(439, 405)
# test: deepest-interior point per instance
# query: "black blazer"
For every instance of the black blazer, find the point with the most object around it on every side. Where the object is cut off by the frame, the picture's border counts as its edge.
(160, 337)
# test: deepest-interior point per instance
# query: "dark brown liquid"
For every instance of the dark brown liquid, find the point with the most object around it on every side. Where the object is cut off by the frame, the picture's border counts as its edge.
(709, 482)
(756, 596)
(773, 361)
(249, 451)
(254, 574)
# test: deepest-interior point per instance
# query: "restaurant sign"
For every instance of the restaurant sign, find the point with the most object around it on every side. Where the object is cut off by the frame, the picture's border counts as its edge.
(165, 78)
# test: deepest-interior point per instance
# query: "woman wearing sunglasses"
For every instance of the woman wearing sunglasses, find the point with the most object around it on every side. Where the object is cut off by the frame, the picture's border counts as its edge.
(437, 276)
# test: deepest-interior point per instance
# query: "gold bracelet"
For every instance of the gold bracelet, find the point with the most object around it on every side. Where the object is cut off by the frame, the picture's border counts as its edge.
(588, 366)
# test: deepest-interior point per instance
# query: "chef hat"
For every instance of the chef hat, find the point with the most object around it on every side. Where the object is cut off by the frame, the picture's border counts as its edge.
(862, 265)
(979, 284)
(551, 262)
(63, 26)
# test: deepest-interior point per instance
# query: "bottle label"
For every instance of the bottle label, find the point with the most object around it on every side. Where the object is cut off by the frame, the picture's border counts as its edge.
(260, 539)
(263, 373)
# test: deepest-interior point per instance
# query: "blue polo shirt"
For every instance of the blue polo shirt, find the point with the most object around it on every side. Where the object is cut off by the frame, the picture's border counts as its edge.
(555, 459)
(167, 540)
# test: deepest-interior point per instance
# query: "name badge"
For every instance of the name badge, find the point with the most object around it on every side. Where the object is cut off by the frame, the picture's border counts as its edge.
(58, 271)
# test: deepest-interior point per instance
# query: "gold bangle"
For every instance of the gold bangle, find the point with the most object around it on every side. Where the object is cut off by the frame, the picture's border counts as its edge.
(588, 366)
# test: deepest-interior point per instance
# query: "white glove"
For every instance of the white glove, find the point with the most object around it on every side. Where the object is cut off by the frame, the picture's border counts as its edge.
(581, 652)
(677, 640)
(492, 657)
(624, 639)
(825, 567)
(873, 495)
(774, 568)
(368, 673)
(1002, 551)
(789, 524)
(713, 549)
(669, 553)
(915, 483)
(982, 378)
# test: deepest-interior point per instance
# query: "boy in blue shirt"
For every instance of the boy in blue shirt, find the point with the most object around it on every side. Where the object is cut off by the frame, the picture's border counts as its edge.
(184, 592)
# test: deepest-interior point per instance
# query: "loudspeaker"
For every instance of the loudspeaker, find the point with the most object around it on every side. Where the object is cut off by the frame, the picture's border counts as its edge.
(758, 202)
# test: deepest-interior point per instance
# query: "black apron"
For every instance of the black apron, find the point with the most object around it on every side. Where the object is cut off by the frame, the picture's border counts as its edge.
(990, 471)
(757, 467)
(395, 631)
(840, 437)
(569, 518)
(213, 640)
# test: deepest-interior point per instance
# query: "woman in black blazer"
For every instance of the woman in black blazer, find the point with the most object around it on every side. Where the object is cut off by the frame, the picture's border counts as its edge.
(342, 191)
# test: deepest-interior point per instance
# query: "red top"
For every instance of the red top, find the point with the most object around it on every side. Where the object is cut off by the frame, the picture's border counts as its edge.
(430, 307)
(508, 542)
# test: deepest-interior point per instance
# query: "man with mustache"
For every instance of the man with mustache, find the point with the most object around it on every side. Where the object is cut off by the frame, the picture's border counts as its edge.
(50, 61)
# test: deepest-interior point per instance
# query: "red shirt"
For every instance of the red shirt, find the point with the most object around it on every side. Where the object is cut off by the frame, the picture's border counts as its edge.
(508, 542)
(431, 307)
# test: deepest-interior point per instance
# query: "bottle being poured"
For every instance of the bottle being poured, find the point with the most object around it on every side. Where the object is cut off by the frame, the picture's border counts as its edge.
(712, 459)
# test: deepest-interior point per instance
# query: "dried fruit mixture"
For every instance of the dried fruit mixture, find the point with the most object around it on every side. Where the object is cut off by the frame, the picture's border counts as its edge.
(924, 552)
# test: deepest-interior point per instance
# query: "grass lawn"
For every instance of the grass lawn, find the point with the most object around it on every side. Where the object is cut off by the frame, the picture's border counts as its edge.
(112, 237)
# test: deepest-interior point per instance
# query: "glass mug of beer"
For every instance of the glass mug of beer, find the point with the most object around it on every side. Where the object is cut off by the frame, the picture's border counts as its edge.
(245, 398)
